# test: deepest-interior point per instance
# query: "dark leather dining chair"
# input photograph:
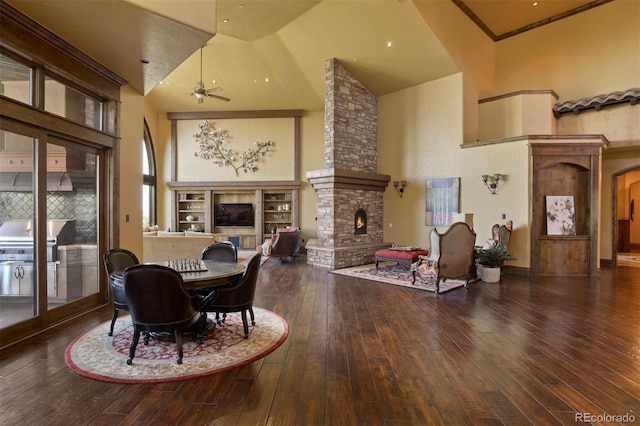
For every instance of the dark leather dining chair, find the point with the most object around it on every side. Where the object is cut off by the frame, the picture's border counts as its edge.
(238, 296)
(222, 250)
(117, 259)
(158, 302)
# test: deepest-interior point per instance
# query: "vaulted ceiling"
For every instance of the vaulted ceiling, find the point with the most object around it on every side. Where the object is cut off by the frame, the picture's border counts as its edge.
(270, 54)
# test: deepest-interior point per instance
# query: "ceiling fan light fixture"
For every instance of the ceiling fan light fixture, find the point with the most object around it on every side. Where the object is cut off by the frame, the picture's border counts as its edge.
(200, 91)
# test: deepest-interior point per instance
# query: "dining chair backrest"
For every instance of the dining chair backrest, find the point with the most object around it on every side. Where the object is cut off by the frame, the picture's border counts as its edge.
(242, 292)
(118, 259)
(156, 296)
(222, 250)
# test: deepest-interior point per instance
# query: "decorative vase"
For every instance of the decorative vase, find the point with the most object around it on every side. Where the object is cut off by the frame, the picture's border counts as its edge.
(490, 275)
(190, 218)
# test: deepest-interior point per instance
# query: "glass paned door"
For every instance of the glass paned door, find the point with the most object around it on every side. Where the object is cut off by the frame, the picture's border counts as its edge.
(72, 219)
(17, 219)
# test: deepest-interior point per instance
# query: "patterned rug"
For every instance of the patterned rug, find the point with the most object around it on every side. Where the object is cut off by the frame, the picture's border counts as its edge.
(100, 357)
(397, 274)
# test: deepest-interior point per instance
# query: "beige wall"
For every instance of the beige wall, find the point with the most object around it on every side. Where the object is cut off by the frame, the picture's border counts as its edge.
(241, 134)
(131, 146)
(420, 133)
(584, 55)
(311, 158)
(473, 52)
(517, 114)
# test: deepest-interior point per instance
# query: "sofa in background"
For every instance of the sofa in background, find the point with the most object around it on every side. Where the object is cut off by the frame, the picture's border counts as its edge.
(161, 246)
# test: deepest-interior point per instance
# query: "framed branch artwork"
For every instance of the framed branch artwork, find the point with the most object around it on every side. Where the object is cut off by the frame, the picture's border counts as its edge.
(442, 201)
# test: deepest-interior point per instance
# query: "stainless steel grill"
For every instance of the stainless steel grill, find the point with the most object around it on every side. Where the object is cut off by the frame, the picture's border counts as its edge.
(17, 254)
(16, 239)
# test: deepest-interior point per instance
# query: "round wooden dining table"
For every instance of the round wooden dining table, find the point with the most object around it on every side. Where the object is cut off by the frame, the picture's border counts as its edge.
(217, 273)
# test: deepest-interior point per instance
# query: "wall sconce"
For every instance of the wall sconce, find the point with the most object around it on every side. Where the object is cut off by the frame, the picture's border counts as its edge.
(491, 182)
(399, 186)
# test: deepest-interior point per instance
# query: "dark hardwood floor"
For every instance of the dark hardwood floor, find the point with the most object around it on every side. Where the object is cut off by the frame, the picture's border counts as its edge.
(535, 351)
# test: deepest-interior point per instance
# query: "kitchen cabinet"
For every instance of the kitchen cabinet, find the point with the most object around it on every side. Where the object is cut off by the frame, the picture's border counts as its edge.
(17, 278)
(15, 161)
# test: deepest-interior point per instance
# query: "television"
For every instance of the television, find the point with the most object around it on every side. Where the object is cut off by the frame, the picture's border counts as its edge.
(233, 214)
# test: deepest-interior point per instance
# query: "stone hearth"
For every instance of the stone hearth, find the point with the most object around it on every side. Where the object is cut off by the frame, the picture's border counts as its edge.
(349, 181)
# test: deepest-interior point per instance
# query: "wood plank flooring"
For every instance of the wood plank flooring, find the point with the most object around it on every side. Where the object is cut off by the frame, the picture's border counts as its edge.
(537, 351)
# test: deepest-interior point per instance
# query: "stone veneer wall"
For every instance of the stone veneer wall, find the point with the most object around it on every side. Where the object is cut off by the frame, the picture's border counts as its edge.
(350, 122)
(349, 181)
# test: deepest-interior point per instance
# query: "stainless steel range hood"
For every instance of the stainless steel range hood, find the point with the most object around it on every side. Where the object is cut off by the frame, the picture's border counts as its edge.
(23, 181)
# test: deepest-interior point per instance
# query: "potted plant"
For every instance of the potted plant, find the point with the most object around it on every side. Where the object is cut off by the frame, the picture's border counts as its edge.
(492, 259)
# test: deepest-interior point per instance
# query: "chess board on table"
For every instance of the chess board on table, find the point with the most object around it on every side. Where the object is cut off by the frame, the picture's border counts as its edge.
(187, 265)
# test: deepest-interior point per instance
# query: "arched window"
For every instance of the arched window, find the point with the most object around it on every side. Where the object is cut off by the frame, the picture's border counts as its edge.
(149, 187)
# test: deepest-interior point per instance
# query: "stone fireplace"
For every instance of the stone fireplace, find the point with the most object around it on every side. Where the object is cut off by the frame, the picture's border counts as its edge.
(349, 186)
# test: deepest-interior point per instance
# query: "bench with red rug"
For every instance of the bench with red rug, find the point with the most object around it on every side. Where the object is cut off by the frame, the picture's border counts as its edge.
(406, 255)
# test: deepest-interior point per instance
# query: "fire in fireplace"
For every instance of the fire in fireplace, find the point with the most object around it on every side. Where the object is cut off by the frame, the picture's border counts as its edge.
(360, 222)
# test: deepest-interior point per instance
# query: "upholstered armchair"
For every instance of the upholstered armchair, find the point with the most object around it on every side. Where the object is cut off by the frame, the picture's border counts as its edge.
(453, 257)
(502, 233)
(285, 244)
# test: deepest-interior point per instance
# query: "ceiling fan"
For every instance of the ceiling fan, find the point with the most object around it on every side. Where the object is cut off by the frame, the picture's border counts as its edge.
(201, 92)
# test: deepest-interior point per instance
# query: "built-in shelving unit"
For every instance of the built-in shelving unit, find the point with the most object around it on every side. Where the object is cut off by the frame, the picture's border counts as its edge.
(193, 212)
(278, 211)
(275, 205)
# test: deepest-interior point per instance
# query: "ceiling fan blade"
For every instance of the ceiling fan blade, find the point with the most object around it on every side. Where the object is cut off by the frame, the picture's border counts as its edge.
(214, 89)
(222, 98)
(186, 87)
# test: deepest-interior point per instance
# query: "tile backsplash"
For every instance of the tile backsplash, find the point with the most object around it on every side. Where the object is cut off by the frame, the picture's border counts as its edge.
(79, 205)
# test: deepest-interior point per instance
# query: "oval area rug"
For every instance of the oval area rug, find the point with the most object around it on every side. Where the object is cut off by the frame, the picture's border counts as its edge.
(98, 356)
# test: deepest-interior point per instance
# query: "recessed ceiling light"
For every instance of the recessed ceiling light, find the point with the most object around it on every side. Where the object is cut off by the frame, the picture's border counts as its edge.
(389, 44)
(226, 20)
(355, 59)
(266, 80)
(535, 3)
(241, 5)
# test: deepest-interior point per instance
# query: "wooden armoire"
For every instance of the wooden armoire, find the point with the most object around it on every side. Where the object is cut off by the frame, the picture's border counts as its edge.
(566, 166)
